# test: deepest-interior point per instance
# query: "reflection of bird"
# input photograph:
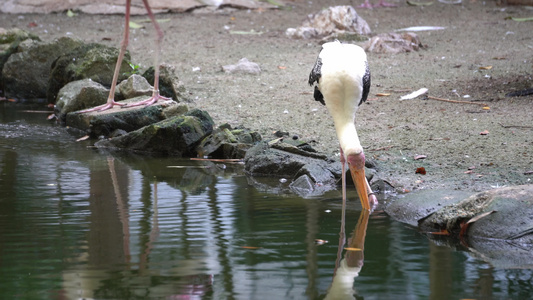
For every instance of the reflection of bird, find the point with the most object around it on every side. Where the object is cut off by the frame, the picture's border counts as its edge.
(343, 82)
(124, 44)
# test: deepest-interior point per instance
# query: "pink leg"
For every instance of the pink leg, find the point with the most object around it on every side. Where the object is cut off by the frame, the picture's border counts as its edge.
(383, 3)
(366, 4)
(123, 46)
(155, 95)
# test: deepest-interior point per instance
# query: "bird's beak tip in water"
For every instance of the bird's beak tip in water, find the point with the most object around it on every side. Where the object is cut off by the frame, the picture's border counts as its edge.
(359, 180)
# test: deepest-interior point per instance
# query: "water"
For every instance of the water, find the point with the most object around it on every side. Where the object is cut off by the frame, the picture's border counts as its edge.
(77, 223)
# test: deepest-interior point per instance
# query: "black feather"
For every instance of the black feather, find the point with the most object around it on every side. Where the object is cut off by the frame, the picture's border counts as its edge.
(318, 96)
(366, 84)
(316, 72)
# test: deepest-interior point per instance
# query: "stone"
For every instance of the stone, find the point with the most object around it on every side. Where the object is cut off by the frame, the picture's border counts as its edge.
(169, 83)
(78, 95)
(244, 66)
(94, 61)
(393, 43)
(26, 73)
(225, 143)
(330, 23)
(177, 136)
(135, 86)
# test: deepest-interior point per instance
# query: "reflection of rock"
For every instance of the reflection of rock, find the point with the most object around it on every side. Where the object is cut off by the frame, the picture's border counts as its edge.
(331, 22)
(500, 229)
(393, 43)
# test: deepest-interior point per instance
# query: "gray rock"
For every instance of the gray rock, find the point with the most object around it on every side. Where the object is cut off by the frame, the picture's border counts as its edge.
(26, 73)
(94, 61)
(78, 95)
(169, 82)
(244, 66)
(227, 143)
(135, 86)
(9, 42)
(176, 136)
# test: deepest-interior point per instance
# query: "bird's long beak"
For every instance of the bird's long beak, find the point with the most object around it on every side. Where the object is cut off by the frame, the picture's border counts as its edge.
(359, 180)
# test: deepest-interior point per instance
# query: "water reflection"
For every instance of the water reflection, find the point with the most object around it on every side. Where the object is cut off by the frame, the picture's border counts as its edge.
(76, 222)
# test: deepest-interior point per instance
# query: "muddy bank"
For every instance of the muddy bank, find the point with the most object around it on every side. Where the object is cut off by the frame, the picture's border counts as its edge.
(392, 131)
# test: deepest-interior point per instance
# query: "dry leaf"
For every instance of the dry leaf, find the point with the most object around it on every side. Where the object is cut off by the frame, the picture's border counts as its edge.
(486, 108)
(485, 68)
(464, 226)
(441, 232)
(484, 132)
(83, 138)
(282, 67)
(383, 94)
(420, 170)
(417, 157)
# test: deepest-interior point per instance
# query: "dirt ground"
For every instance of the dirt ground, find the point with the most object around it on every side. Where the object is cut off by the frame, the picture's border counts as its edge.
(392, 132)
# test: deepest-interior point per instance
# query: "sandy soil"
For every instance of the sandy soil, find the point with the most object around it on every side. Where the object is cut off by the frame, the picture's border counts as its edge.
(477, 35)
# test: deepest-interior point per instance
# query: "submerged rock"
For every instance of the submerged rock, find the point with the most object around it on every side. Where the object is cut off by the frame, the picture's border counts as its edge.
(175, 136)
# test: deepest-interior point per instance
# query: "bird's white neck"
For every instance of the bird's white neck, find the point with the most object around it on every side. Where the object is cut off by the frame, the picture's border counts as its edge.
(348, 139)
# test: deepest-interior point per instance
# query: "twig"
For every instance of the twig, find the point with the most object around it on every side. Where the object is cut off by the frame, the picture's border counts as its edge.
(457, 101)
(382, 148)
(514, 126)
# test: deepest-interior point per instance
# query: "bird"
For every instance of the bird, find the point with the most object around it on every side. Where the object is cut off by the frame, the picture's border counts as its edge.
(341, 79)
(123, 46)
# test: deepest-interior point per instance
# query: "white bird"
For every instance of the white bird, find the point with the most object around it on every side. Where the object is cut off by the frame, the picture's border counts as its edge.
(123, 46)
(342, 78)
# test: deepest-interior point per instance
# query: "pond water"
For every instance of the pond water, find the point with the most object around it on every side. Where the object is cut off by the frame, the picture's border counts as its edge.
(76, 222)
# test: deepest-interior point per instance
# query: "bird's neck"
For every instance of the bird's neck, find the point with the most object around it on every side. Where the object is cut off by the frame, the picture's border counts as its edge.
(348, 139)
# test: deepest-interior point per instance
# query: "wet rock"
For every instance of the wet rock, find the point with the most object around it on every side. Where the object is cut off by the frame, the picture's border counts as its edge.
(225, 142)
(332, 22)
(176, 136)
(309, 173)
(26, 73)
(393, 43)
(412, 207)
(135, 86)
(78, 95)
(169, 82)
(93, 61)
(244, 66)
(511, 220)
(129, 119)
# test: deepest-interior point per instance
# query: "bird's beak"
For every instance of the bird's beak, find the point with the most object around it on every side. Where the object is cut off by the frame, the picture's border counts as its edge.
(359, 180)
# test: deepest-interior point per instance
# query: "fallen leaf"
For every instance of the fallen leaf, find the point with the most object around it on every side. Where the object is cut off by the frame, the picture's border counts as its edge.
(522, 19)
(83, 138)
(282, 67)
(486, 108)
(414, 94)
(464, 226)
(484, 132)
(499, 58)
(135, 25)
(71, 14)
(32, 24)
(528, 172)
(352, 249)
(420, 170)
(413, 3)
(441, 232)
(485, 68)
(382, 94)
(417, 157)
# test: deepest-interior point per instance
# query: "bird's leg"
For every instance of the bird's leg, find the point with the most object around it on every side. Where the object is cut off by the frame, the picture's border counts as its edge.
(366, 4)
(343, 182)
(383, 3)
(159, 38)
(372, 199)
(123, 46)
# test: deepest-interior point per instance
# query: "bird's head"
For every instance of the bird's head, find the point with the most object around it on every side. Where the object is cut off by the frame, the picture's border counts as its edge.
(356, 162)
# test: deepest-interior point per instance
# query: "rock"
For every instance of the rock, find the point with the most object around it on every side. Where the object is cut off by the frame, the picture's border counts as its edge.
(511, 220)
(169, 83)
(129, 119)
(412, 207)
(176, 136)
(9, 42)
(331, 22)
(135, 86)
(244, 66)
(78, 95)
(226, 143)
(26, 73)
(278, 159)
(393, 43)
(94, 61)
